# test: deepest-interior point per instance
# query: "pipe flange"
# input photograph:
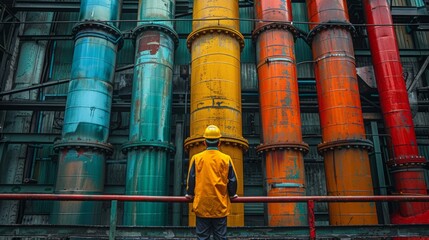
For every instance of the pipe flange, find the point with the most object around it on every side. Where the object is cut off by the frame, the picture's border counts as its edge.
(406, 162)
(156, 27)
(288, 146)
(345, 144)
(276, 25)
(106, 148)
(219, 30)
(148, 145)
(87, 25)
(327, 25)
(234, 141)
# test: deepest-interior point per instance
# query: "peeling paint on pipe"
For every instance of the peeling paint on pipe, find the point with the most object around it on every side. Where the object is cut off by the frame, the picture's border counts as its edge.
(83, 147)
(344, 147)
(149, 144)
(282, 142)
(216, 87)
(406, 165)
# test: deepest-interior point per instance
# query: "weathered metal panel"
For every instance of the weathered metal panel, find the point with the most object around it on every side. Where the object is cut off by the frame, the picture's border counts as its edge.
(405, 39)
(246, 26)
(303, 55)
(422, 39)
(316, 183)
(248, 52)
(182, 54)
(249, 77)
(125, 56)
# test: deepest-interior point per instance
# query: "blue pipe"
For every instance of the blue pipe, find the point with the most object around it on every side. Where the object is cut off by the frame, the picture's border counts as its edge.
(149, 141)
(83, 147)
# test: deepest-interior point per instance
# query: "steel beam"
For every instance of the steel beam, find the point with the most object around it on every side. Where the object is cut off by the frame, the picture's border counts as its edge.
(368, 231)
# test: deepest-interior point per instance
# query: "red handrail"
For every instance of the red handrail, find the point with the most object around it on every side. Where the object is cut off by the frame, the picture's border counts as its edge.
(253, 199)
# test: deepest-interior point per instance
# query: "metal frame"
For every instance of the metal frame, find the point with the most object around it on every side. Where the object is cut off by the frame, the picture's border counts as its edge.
(310, 231)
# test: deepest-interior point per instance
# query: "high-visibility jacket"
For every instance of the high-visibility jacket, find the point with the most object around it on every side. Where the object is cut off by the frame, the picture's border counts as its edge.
(211, 180)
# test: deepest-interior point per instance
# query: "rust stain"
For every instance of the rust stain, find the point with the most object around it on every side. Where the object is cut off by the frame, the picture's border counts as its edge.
(150, 42)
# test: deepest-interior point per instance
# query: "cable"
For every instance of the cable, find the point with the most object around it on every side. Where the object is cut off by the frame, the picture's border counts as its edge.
(220, 19)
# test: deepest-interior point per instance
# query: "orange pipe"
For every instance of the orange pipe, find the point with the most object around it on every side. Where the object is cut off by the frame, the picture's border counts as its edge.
(344, 146)
(280, 113)
(216, 87)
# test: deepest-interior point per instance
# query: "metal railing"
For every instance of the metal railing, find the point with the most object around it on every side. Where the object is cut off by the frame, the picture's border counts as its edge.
(309, 232)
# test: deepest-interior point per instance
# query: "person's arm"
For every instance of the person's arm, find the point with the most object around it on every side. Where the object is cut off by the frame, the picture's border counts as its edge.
(232, 181)
(190, 183)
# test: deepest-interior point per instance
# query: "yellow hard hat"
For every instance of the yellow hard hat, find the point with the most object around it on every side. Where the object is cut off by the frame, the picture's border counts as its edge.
(212, 132)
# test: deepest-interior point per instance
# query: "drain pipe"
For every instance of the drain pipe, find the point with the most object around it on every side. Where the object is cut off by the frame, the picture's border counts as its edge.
(406, 165)
(344, 147)
(83, 147)
(216, 87)
(280, 113)
(149, 147)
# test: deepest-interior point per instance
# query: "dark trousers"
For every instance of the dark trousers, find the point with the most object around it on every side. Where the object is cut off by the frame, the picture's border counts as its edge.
(208, 226)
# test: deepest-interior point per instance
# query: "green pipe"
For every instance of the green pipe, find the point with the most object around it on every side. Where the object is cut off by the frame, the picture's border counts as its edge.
(83, 147)
(149, 141)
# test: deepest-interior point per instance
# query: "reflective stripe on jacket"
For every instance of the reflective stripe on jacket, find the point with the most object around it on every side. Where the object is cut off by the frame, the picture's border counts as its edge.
(211, 180)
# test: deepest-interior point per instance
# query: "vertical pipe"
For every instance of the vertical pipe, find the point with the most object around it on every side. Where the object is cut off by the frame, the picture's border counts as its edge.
(178, 169)
(406, 165)
(83, 147)
(344, 147)
(280, 113)
(149, 140)
(215, 86)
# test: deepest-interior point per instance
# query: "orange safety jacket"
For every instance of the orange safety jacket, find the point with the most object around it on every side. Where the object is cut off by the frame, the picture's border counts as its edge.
(211, 180)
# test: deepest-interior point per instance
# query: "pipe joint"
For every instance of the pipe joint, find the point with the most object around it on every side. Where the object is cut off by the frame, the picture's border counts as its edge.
(148, 145)
(156, 27)
(106, 148)
(329, 25)
(215, 30)
(98, 29)
(290, 146)
(345, 144)
(287, 26)
(272, 60)
(329, 55)
(286, 185)
(234, 141)
(406, 162)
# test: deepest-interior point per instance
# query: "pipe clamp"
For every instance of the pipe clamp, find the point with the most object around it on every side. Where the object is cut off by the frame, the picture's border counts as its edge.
(287, 146)
(327, 25)
(345, 144)
(91, 145)
(215, 30)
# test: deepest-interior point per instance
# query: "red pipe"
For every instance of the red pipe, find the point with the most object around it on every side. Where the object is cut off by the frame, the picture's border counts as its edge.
(406, 166)
(344, 147)
(280, 113)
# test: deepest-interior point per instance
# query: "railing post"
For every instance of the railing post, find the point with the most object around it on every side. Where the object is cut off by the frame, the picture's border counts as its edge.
(311, 219)
(113, 219)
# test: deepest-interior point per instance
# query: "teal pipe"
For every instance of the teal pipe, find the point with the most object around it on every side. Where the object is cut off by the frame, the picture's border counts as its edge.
(83, 147)
(149, 144)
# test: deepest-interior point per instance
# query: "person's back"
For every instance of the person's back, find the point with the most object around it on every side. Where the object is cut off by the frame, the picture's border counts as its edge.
(211, 183)
(211, 196)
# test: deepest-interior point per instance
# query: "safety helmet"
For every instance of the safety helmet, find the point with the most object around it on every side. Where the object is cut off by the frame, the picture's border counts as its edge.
(212, 132)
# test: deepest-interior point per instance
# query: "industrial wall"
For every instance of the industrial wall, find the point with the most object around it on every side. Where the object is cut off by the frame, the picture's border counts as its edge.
(32, 121)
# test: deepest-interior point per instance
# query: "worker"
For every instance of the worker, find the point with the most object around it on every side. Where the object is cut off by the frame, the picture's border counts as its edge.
(211, 183)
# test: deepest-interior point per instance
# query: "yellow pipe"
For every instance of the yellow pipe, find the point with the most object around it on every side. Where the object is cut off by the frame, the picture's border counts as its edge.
(215, 86)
